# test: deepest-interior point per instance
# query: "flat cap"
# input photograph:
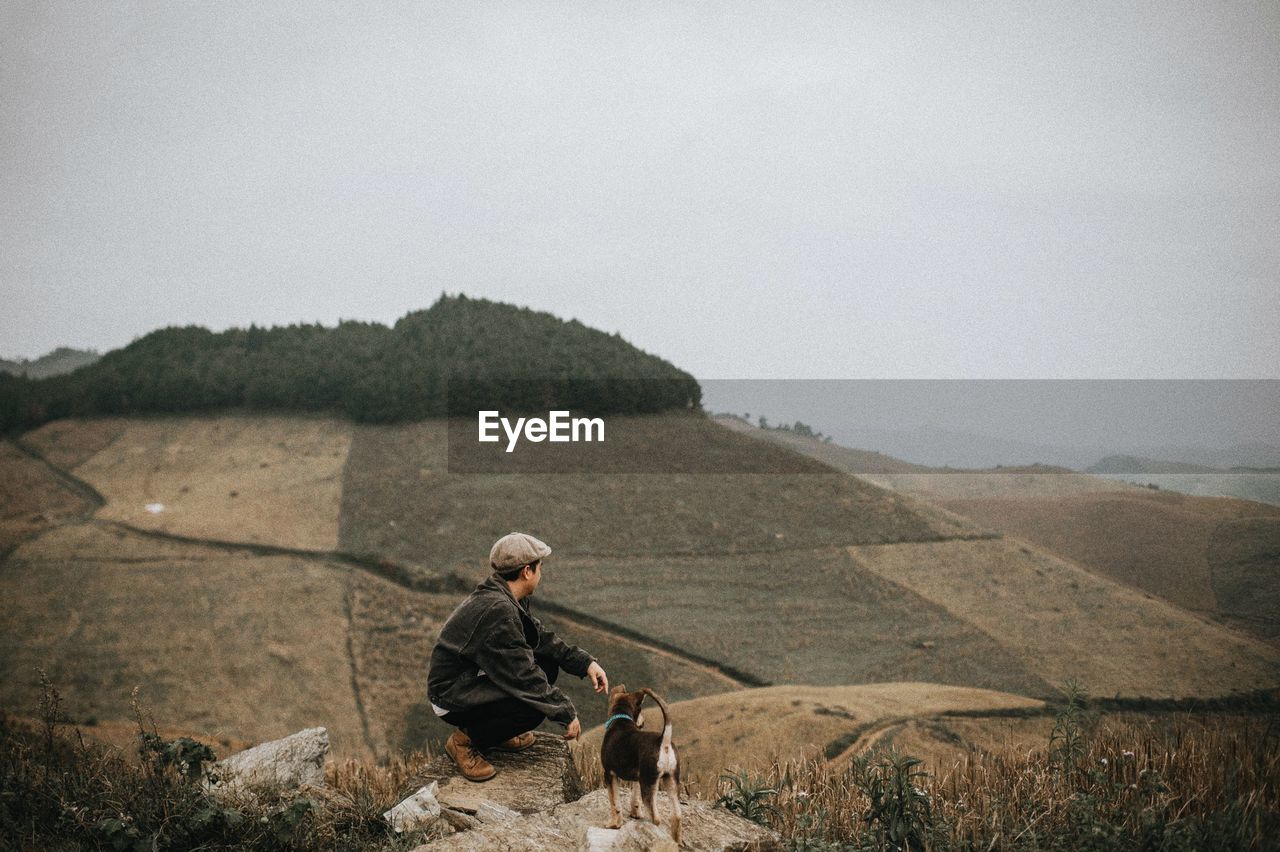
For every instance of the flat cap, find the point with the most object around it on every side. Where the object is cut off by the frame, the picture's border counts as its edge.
(516, 549)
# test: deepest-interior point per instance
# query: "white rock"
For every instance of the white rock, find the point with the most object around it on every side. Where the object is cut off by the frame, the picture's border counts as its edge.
(417, 811)
(634, 836)
(491, 813)
(280, 766)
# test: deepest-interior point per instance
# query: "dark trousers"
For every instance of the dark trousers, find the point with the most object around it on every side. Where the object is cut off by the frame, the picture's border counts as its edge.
(499, 721)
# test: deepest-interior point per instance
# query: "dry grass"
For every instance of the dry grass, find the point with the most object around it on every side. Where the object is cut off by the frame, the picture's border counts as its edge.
(229, 646)
(802, 616)
(1065, 622)
(756, 728)
(62, 790)
(400, 500)
(71, 442)
(1155, 540)
(1170, 783)
(266, 480)
(31, 498)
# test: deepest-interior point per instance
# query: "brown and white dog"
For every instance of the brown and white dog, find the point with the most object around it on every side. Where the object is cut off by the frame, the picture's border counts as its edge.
(646, 759)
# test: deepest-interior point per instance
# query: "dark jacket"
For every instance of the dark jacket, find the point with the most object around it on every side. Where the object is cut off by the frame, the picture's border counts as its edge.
(486, 652)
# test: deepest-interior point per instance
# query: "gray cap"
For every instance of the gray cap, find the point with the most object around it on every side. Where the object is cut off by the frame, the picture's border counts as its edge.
(516, 549)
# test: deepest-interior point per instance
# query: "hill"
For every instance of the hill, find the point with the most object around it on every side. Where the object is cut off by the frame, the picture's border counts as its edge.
(758, 728)
(460, 354)
(55, 363)
(1138, 464)
(694, 583)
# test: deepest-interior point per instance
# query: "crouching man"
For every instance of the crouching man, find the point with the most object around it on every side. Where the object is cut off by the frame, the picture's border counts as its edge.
(494, 667)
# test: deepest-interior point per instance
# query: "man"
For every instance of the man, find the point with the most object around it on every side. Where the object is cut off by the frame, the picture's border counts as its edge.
(494, 667)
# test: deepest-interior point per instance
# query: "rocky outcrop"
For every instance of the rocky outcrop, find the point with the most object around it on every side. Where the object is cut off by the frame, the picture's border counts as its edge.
(277, 767)
(536, 779)
(580, 825)
(535, 802)
(635, 836)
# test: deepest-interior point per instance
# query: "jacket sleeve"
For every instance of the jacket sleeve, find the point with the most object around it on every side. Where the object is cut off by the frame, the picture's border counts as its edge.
(505, 657)
(570, 658)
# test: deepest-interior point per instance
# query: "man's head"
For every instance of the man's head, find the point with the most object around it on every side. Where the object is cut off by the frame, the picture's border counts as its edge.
(517, 559)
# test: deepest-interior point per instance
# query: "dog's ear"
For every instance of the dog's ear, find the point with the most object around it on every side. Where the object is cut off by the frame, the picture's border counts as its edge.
(620, 688)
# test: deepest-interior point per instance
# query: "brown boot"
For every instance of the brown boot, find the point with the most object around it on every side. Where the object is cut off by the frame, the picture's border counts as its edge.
(517, 743)
(470, 762)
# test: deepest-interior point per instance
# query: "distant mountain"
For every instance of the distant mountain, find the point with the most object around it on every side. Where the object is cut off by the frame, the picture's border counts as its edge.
(1251, 454)
(1138, 464)
(934, 447)
(59, 361)
(458, 355)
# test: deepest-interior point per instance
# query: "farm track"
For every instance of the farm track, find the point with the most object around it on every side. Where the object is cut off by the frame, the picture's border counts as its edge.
(1263, 702)
(394, 573)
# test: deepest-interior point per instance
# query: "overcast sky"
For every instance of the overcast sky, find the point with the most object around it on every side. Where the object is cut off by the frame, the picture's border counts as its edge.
(799, 190)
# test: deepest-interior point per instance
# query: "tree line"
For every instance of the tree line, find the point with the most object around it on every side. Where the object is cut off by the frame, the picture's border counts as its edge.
(455, 357)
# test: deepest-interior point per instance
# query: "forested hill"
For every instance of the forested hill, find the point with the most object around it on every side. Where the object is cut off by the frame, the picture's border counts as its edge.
(60, 360)
(457, 355)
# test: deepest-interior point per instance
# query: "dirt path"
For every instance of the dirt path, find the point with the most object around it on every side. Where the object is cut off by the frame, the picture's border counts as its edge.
(869, 737)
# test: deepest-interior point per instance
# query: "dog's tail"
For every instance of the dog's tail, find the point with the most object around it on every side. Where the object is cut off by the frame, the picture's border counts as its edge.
(666, 715)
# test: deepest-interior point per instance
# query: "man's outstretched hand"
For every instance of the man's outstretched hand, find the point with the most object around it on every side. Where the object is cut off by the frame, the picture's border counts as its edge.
(599, 679)
(575, 728)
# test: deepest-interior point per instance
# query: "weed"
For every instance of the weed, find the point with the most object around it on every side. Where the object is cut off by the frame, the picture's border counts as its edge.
(1067, 740)
(747, 797)
(900, 812)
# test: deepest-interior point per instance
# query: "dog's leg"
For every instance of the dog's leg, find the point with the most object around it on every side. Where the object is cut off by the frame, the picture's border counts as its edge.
(648, 789)
(615, 820)
(669, 782)
(634, 811)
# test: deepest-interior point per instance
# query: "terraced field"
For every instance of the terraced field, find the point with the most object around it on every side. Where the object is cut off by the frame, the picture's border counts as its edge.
(400, 499)
(245, 615)
(1065, 622)
(230, 646)
(268, 480)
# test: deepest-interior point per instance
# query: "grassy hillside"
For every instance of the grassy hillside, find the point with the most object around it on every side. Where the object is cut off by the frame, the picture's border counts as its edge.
(260, 479)
(1065, 622)
(225, 645)
(693, 583)
(31, 498)
(400, 498)
(757, 728)
(1157, 541)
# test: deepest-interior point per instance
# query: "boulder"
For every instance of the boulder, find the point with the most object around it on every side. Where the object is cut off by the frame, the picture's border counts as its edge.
(275, 768)
(580, 825)
(536, 779)
(417, 811)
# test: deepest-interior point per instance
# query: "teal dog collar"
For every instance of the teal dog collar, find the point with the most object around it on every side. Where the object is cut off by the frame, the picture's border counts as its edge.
(615, 717)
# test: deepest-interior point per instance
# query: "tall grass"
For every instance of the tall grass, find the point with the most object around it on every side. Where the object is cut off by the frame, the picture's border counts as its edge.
(59, 790)
(1136, 783)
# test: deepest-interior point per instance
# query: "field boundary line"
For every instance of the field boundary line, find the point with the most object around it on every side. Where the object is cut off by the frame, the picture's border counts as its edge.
(437, 583)
(81, 488)
(347, 610)
(730, 674)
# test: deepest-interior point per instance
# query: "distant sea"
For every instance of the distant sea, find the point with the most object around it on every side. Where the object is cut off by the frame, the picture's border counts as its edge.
(1262, 487)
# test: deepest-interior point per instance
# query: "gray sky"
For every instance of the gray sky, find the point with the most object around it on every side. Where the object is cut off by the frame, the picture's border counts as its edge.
(799, 190)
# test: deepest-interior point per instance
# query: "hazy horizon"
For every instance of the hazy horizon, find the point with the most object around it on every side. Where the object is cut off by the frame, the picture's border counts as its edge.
(802, 190)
